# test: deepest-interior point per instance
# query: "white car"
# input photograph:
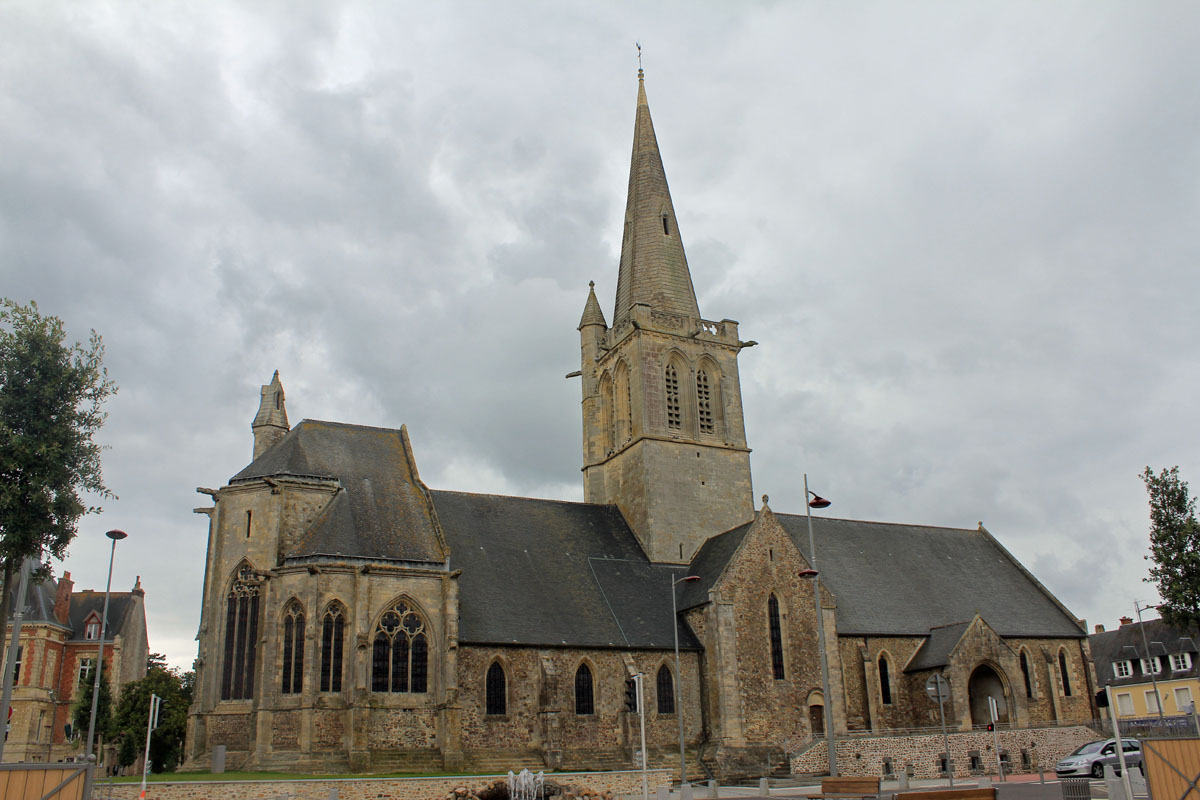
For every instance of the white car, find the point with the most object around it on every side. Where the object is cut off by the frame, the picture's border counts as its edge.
(1090, 759)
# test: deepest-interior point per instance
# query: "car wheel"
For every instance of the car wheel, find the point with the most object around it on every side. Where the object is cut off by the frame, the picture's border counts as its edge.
(1097, 770)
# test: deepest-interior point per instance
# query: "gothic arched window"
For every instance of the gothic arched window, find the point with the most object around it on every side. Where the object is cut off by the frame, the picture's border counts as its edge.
(665, 684)
(333, 633)
(1025, 673)
(293, 648)
(704, 402)
(885, 681)
(241, 635)
(494, 690)
(584, 701)
(1066, 678)
(674, 406)
(776, 631)
(400, 654)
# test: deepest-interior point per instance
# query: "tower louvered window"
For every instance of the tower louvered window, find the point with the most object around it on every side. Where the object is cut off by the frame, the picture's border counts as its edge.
(293, 649)
(584, 698)
(665, 686)
(494, 689)
(704, 411)
(241, 636)
(333, 631)
(674, 409)
(776, 631)
(400, 655)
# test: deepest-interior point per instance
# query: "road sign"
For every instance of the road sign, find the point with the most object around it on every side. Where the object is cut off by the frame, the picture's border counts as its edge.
(937, 685)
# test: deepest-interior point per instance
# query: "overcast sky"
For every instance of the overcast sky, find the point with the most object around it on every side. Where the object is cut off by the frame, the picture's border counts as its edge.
(964, 235)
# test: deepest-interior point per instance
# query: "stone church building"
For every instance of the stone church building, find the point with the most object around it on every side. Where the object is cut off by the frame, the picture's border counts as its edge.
(355, 619)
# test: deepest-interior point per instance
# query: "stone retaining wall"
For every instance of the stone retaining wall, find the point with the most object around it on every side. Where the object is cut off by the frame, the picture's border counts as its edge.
(597, 783)
(865, 756)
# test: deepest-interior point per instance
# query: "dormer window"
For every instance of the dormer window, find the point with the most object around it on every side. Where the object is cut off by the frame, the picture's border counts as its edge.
(1122, 669)
(1152, 665)
(91, 631)
(1181, 661)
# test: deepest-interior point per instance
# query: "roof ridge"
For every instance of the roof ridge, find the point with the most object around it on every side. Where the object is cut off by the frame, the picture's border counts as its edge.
(353, 425)
(519, 497)
(880, 522)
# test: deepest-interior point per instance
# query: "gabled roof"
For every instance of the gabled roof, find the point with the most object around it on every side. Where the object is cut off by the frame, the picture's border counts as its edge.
(553, 573)
(935, 651)
(653, 268)
(903, 580)
(382, 510)
(1126, 643)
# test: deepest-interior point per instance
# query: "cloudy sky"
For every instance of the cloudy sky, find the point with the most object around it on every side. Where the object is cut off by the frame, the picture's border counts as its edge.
(965, 235)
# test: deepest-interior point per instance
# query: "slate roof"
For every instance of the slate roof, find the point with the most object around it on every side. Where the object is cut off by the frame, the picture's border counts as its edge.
(382, 513)
(39, 601)
(1164, 640)
(84, 603)
(935, 651)
(903, 580)
(553, 573)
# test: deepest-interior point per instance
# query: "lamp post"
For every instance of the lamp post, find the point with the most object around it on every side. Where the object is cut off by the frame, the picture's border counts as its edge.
(820, 502)
(1139, 608)
(678, 675)
(116, 536)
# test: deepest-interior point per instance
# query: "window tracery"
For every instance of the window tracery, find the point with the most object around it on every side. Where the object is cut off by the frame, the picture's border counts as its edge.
(704, 409)
(665, 685)
(400, 655)
(241, 635)
(333, 632)
(293, 649)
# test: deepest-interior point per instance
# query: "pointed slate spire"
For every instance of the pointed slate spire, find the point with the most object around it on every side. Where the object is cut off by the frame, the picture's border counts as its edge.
(654, 268)
(592, 315)
(271, 422)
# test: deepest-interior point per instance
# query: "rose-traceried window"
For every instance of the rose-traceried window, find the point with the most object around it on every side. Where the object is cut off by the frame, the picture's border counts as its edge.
(400, 657)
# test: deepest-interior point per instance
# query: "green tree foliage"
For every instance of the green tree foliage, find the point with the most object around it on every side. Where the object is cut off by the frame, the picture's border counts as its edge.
(1174, 547)
(51, 398)
(166, 743)
(82, 710)
(127, 753)
(156, 661)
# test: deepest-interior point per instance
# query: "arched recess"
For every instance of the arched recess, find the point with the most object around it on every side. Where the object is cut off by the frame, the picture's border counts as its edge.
(676, 375)
(291, 679)
(710, 405)
(333, 636)
(664, 686)
(775, 637)
(622, 406)
(987, 681)
(400, 649)
(241, 633)
(606, 414)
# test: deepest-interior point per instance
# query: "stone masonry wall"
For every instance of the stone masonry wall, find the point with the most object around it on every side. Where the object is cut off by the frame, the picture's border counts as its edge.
(864, 756)
(374, 788)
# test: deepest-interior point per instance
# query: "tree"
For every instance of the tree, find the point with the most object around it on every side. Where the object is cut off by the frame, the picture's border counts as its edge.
(133, 710)
(1174, 547)
(81, 712)
(156, 661)
(51, 398)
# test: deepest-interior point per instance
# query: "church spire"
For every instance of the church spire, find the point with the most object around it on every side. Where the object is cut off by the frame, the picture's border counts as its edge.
(271, 422)
(654, 269)
(592, 315)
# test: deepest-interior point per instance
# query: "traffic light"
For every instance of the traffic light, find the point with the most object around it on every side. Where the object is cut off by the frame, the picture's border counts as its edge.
(991, 727)
(631, 694)
(1101, 699)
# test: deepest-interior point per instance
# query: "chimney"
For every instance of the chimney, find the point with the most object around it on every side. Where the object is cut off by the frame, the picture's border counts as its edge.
(1126, 620)
(62, 599)
(1099, 628)
(137, 587)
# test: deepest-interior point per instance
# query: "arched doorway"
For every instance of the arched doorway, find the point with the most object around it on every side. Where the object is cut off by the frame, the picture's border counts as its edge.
(986, 682)
(816, 714)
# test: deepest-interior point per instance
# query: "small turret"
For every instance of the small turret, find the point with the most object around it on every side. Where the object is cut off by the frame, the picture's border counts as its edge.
(271, 422)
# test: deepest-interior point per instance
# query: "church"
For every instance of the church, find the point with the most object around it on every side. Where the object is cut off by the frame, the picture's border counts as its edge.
(356, 620)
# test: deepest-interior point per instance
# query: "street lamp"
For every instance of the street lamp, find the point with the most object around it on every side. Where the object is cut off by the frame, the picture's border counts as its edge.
(678, 675)
(820, 502)
(116, 536)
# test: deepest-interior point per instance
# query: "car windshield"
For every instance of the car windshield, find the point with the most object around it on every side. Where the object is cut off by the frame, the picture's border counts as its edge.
(1090, 747)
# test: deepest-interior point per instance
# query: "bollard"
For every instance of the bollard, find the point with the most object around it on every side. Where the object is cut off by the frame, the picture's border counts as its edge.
(903, 779)
(985, 781)
(713, 790)
(218, 759)
(685, 792)
(333, 793)
(764, 787)
(662, 793)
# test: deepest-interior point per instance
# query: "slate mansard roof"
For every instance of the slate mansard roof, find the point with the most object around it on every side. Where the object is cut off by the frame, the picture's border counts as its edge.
(553, 573)
(1126, 643)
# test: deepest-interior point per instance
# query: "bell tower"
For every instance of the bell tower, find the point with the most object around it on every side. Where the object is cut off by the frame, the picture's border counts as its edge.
(663, 433)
